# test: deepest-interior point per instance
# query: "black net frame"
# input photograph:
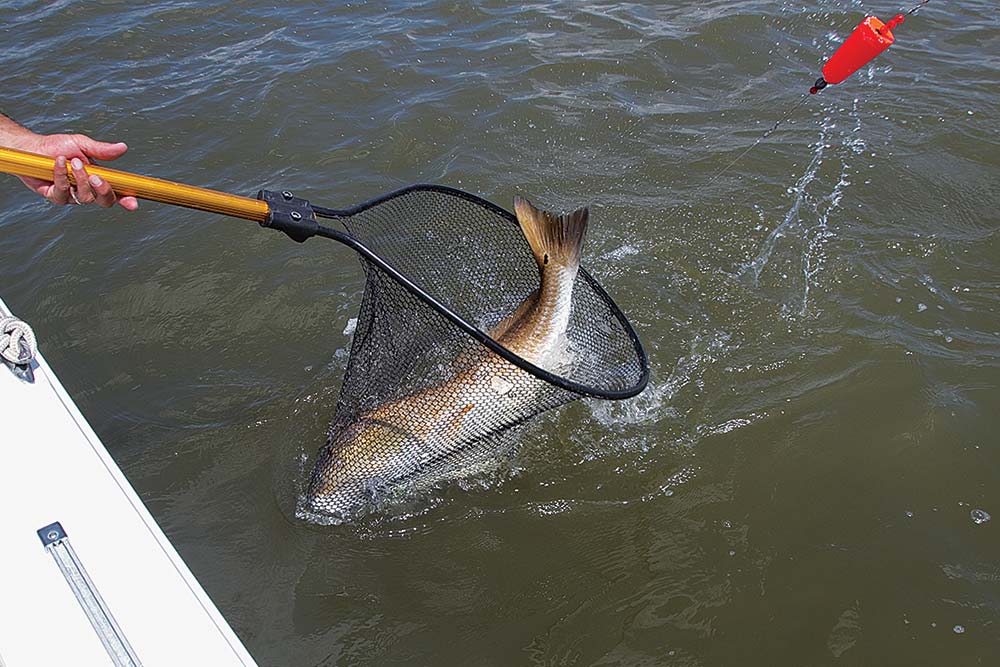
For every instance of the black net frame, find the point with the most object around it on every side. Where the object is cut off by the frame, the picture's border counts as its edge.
(372, 258)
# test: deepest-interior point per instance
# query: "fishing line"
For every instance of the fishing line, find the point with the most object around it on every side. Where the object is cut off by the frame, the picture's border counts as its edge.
(913, 10)
(759, 139)
(720, 173)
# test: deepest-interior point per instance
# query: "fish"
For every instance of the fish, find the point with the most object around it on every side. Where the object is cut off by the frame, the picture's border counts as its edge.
(412, 439)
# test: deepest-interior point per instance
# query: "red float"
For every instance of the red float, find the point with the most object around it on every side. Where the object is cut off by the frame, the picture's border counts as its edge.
(869, 39)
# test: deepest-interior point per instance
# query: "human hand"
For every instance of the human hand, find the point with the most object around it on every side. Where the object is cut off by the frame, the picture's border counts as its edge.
(79, 150)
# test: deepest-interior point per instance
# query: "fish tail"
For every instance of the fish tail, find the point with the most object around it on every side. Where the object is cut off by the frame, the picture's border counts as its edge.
(554, 239)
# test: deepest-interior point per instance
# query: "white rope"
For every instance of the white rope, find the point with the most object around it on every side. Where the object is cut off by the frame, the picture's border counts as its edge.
(17, 340)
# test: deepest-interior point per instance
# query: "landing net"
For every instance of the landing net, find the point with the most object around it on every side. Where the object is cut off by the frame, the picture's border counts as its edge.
(428, 395)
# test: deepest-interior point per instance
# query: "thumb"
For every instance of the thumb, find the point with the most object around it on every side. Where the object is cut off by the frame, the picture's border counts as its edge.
(99, 150)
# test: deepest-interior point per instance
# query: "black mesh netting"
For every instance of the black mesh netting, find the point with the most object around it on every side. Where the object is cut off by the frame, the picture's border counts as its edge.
(423, 400)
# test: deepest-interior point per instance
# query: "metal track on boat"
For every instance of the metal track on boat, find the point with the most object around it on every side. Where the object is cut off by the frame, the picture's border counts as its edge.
(56, 542)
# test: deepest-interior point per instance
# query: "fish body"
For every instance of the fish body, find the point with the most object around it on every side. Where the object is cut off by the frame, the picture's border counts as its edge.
(401, 441)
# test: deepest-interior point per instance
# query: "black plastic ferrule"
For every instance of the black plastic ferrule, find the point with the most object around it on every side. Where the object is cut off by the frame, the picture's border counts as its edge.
(288, 214)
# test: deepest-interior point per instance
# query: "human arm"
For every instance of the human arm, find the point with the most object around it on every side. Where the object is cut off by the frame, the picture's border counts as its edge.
(79, 150)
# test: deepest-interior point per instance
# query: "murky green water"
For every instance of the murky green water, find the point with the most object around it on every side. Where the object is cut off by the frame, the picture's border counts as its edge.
(797, 484)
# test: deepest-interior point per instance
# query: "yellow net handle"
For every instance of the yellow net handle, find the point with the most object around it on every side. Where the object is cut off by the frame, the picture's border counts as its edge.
(22, 163)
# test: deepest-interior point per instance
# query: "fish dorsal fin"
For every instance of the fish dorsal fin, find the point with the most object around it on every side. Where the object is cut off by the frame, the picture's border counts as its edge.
(554, 239)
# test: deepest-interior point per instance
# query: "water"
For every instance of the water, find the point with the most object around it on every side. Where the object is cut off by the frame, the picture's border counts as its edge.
(795, 486)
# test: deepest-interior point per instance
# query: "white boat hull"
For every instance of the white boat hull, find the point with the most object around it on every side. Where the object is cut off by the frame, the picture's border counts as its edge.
(54, 468)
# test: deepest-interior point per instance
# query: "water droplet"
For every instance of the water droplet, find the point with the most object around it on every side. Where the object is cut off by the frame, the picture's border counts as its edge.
(727, 524)
(958, 629)
(921, 307)
(980, 516)
(909, 514)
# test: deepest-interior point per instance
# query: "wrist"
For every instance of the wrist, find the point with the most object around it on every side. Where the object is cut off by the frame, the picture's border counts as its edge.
(13, 135)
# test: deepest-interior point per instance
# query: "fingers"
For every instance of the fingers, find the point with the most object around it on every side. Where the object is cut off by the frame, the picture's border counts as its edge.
(99, 150)
(101, 189)
(91, 188)
(84, 188)
(58, 191)
(104, 195)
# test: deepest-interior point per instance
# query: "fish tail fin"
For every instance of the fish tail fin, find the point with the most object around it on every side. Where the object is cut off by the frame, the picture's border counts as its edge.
(554, 239)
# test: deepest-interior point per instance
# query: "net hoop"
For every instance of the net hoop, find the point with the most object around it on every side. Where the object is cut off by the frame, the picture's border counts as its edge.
(468, 328)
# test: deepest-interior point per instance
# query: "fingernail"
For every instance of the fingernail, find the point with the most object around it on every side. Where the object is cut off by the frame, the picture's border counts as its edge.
(77, 164)
(61, 161)
(95, 180)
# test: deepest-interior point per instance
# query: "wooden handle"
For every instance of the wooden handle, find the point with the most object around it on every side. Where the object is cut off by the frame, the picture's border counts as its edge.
(21, 163)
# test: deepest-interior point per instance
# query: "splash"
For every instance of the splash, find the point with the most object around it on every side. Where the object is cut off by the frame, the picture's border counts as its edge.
(792, 215)
(805, 224)
(653, 404)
